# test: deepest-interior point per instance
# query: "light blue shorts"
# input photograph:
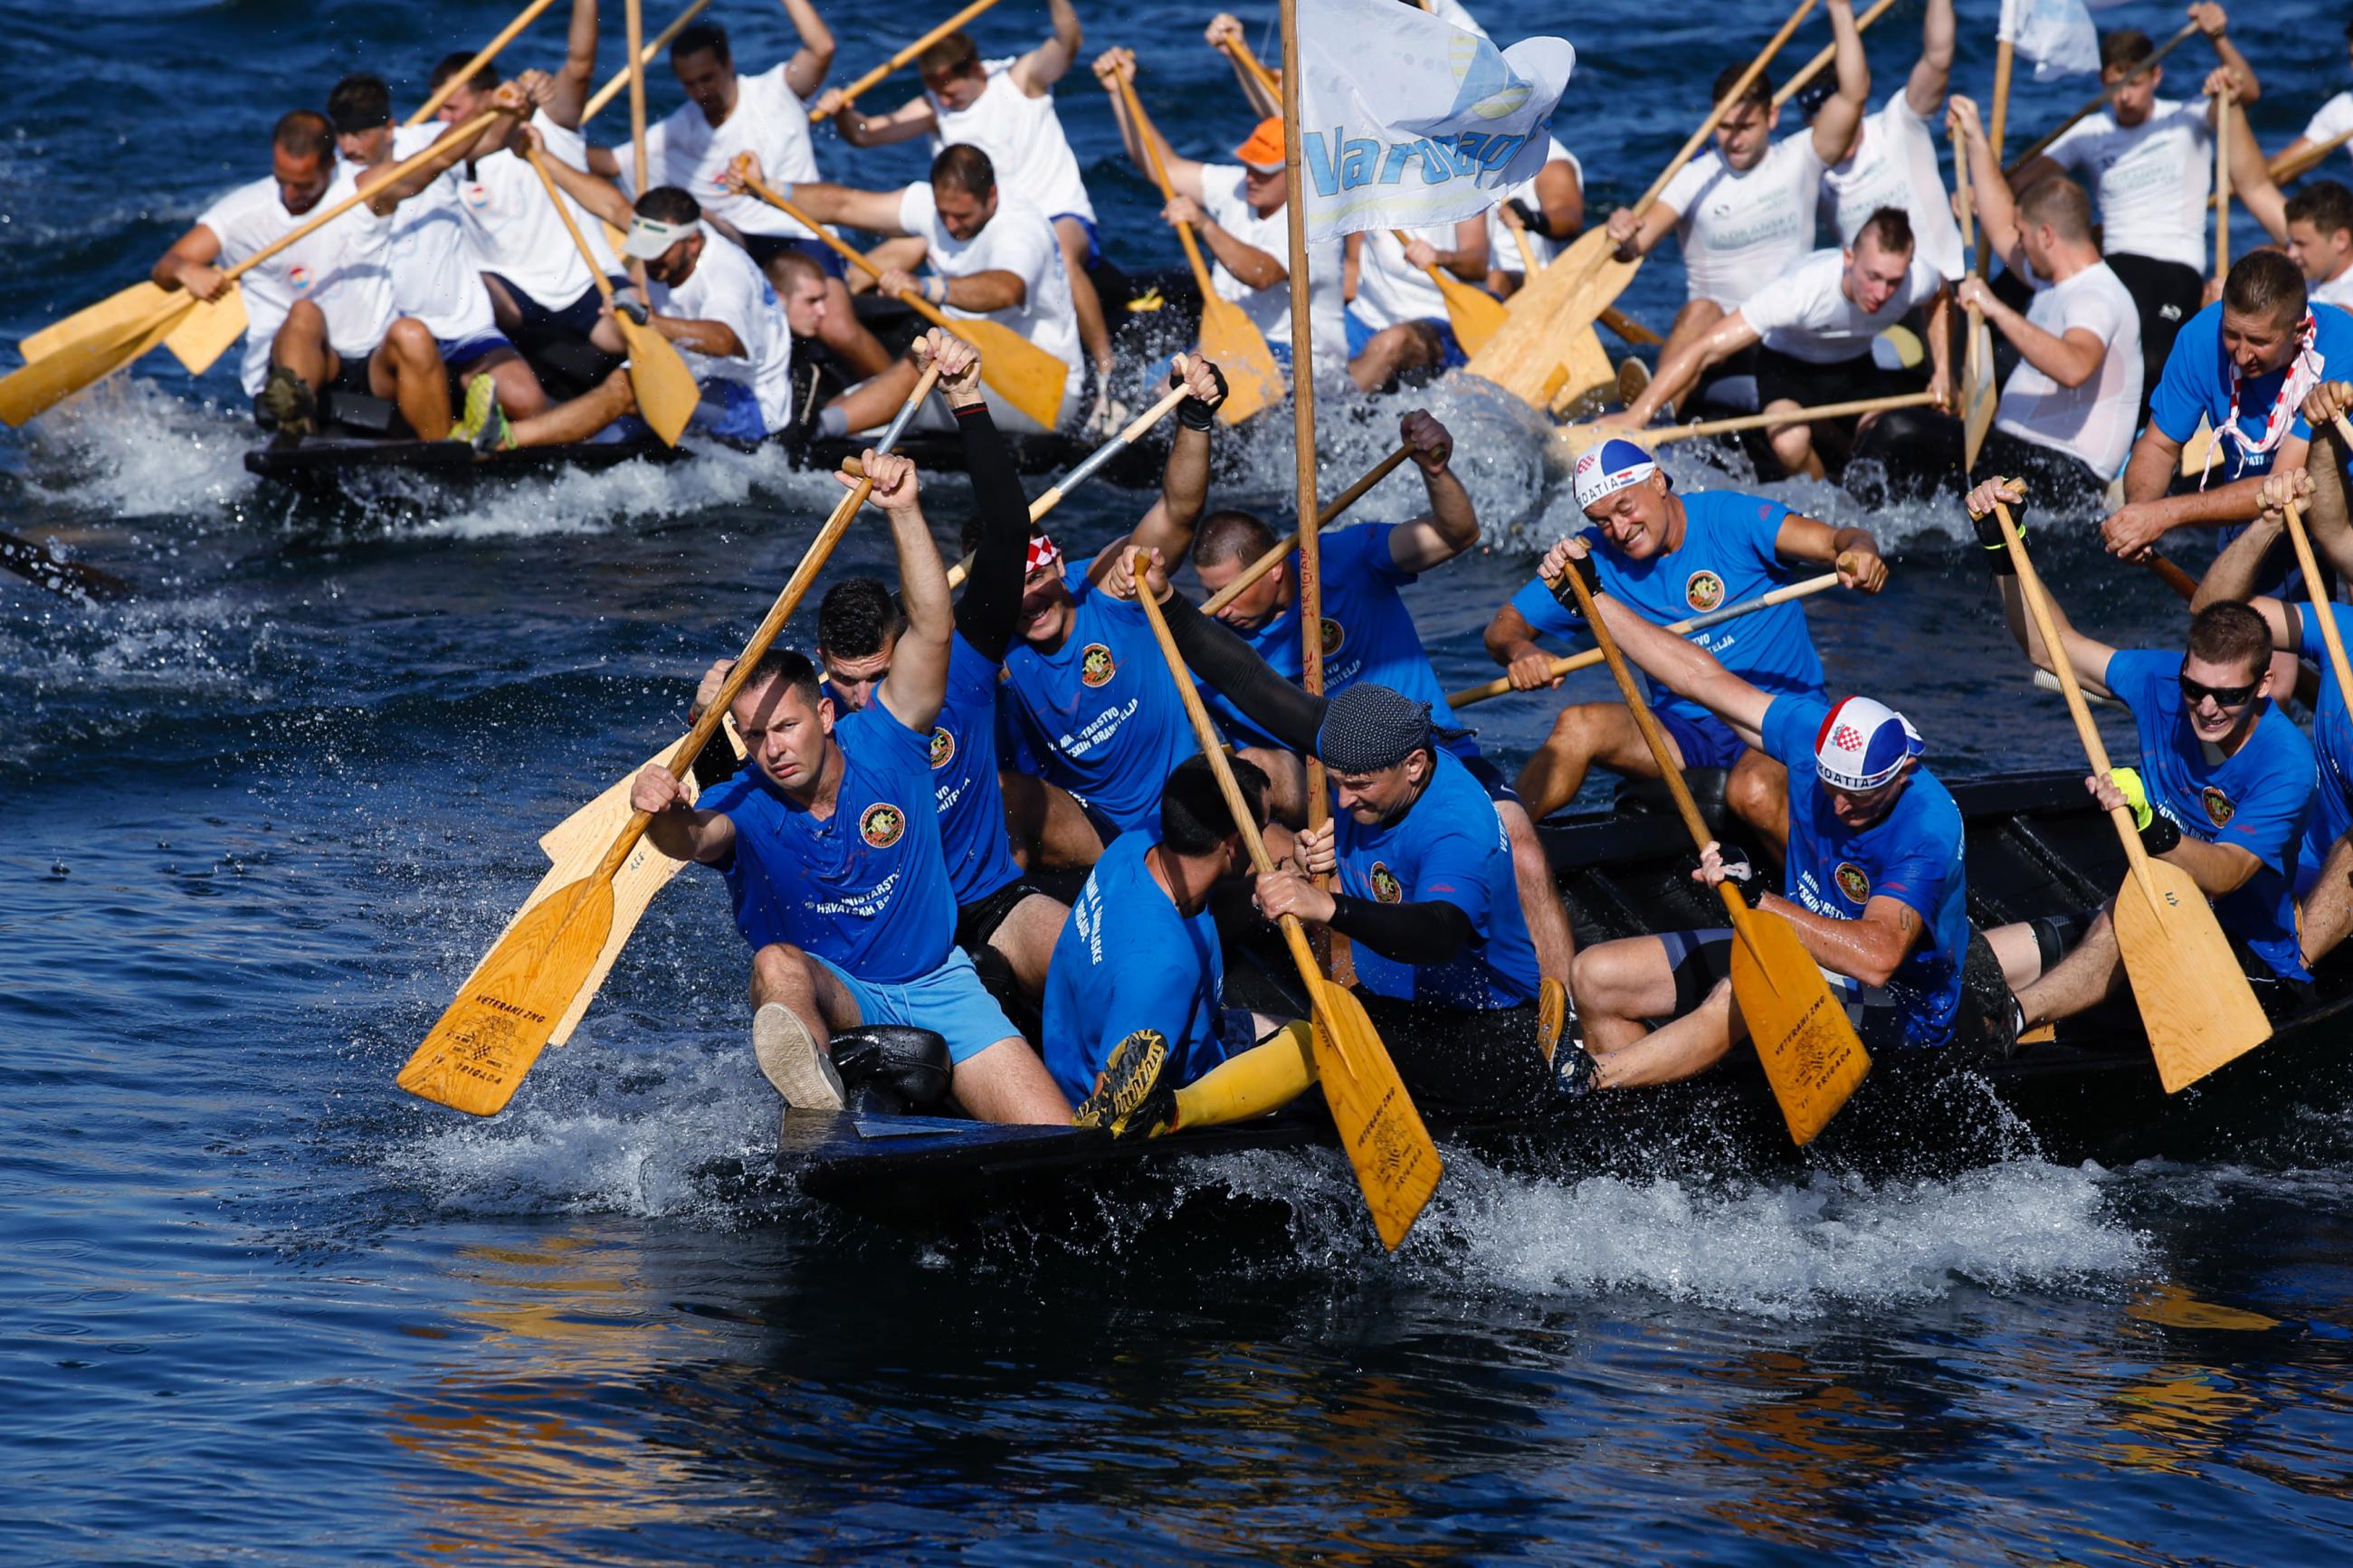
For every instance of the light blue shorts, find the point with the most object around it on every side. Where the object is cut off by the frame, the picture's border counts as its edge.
(950, 1001)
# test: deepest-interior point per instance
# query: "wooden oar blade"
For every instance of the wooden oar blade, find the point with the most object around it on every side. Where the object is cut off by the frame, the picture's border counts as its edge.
(1568, 295)
(1475, 315)
(38, 387)
(475, 1057)
(1586, 376)
(666, 390)
(137, 303)
(2195, 1003)
(1812, 1057)
(1019, 370)
(208, 332)
(1397, 1165)
(1233, 343)
(1976, 392)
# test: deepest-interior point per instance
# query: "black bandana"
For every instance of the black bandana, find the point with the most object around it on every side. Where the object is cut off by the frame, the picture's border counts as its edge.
(1369, 728)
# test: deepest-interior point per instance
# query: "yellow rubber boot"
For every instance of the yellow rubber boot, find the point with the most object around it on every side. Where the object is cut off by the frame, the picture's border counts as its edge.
(1263, 1078)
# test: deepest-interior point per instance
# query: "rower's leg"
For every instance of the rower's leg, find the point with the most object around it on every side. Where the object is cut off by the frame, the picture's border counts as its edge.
(1094, 335)
(1695, 319)
(301, 345)
(783, 975)
(504, 311)
(1026, 936)
(520, 392)
(2326, 913)
(1757, 791)
(578, 419)
(1409, 346)
(1286, 792)
(1540, 903)
(1583, 735)
(1794, 444)
(1619, 986)
(1684, 1049)
(1050, 832)
(1007, 1083)
(406, 368)
(1251, 1083)
(2081, 981)
(874, 401)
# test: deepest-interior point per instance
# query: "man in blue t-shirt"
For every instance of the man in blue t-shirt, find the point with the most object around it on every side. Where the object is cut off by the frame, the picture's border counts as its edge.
(2244, 365)
(1369, 635)
(830, 845)
(1871, 881)
(2223, 785)
(1671, 557)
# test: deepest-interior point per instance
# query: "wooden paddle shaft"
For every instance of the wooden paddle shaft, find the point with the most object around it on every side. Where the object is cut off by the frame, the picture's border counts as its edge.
(1760, 421)
(1997, 125)
(661, 41)
(1240, 53)
(2313, 582)
(634, 25)
(489, 51)
(909, 53)
(579, 241)
(1151, 139)
(1528, 265)
(1290, 542)
(2221, 187)
(1965, 198)
(1627, 327)
(2294, 165)
(34, 564)
(1571, 663)
(1814, 68)
(2001, 99)
(1724, 107)
(851, 254)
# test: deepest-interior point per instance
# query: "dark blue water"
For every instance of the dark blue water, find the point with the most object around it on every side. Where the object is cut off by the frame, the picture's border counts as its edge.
(260, 1305)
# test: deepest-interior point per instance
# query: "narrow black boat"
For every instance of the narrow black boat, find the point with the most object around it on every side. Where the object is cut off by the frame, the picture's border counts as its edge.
(2035, 847)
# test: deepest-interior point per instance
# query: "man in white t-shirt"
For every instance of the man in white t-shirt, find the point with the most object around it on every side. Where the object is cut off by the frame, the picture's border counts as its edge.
(1546, 209)
(2330, 120)
(2148, 162)
(2315, 224)
(1813, 327)
(1005, 108)
(1744, 211)
(1397, 319)
(1238, 211)
(1894, 161)
(992, 254)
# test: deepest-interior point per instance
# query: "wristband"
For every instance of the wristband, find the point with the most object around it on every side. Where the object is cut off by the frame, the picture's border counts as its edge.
(935, 289)
(1564, 595)
(1989, 534)
(2161, 835)
(1193, 413)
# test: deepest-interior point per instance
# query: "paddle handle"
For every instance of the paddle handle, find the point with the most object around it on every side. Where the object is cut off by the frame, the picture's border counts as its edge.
(1627, 327)
(1520, 237)
(2001, 101)
(1151, 139)
(1760, 421)
(1814, 68)
(1240, 53)
(1723, 106)
(579, 241)
(812, 562)
(634, 27)
(909, 53)
(1570, 664)
(2221, 187)
(2320, 605)
(1967, 200)
(1290, 542)
(318, 221)
(661, 41)
(489, 52)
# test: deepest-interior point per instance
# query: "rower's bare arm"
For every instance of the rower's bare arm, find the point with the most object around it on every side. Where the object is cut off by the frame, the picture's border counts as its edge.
(1997, 207)
(1940, 343)
(2071, 359)
(1560, 202)
(192, 263)
(1168, 526)
(715, 338)
(1512, 643)
(2214, 22)
(1681, 370)
(1639, 237)
(1468, 259)
(603, 198)
(2217, 868)
(1842, 113)
(1037, 72)
(874, 211)
(995, 290)
(2326, 513)
(2232, 578)
(911, 119)
(1451, 526)
(2251, 176)
(805, 72)
(1250, 266)
(678, 830)
(386, 191)
(918, 682)
(1870, 949)
(1851, 550)
(1932, 73)
(572, 82)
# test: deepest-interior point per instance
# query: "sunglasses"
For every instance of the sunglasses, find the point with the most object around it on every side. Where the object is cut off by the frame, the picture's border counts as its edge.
(2194, 693)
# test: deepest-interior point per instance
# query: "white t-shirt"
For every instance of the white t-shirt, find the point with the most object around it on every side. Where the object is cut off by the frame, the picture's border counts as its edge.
(1024, 141)
(1223, 199)
(1894, 165)
(2332, 120)
(436, 275)
(1389, 289)
(2095, 421)
(2337, 290)
(727, 286)
(342, 268)
(1502, 250)
(685, 149)
(516, 231)
(1805, 314)
(1018, 240)
(2151, 182)
(1739, 232)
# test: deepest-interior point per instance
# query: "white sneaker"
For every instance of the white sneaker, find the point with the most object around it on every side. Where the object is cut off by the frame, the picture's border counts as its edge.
(794, 1061)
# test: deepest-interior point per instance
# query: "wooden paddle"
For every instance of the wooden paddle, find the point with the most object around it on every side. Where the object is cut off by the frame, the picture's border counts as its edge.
(1811, 1055)
(2294, 165)
(489, 52)
(619, 81)
(1524, 358)
(2314, 587)
(1570, 664)
(1627, 328)
(1571, 441)
(2221, 187)
(155, 314)
(1395, 1164)
(73, 579)
(666, 390)
(1976, 362)
(1229, 336)
(1290, 542)
(635, 23)
(1475, 315)
(2010, 170)
(1585, 365)
(1820, 62)
(909, 53)
(475, 1057)
(2195, 1004)
(1030, 379)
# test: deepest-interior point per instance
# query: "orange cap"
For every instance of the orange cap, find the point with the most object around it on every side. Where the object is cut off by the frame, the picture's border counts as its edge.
(1263, 151)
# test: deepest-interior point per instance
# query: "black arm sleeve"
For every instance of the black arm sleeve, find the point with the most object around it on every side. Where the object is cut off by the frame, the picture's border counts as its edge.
(1431, 931)
(991, 604)
(1234, 667)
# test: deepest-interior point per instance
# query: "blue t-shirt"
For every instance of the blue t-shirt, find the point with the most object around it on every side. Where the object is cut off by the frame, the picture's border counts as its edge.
(964, 778)
(2332, 740)
(1369, 633)
(1450, 845)
(1911, 855)
(1726, 558)
(866, 887)
(2197, 383)
(1101, 711)
(1127, 960)
(2255, 798)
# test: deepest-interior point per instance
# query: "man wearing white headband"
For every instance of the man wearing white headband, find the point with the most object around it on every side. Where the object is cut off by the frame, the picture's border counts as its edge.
(1872, 882)
(1672, 557)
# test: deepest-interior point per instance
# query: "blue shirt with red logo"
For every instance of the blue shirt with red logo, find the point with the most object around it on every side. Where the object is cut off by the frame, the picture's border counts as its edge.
(1726, 557)
(2255, 798)
(2332, 740)
(1100, 713)
(1911, 855)
(964, 778)
(866, 887)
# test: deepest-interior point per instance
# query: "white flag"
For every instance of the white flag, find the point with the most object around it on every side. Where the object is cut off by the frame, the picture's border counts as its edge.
(2057, 36)
(1405, 121)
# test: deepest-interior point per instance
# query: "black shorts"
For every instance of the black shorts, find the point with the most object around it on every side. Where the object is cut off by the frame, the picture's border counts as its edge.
(1480, 1062)
(978, 921)
(1915, 454)
(1701, 960)
(578, 317)
(1491, 779)
(2167, 294)
(763, 248)
(1809, 385)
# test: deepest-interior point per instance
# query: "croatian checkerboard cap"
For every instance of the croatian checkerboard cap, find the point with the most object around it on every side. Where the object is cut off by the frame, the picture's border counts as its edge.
(1610, 467)
(1043, 552)
(1862, 744)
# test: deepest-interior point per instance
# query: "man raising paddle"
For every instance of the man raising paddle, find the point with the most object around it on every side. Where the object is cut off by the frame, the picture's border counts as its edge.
(830, 845)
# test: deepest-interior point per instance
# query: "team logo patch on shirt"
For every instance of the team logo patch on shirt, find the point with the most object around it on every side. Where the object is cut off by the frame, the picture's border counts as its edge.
(1096, 664)
(2220, 807)
(1334, 634)
(1852, 881)
(882, 824)
(1704, 591)
(942, 749)
(475, 194)
(1386, 887)
(298, 278)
